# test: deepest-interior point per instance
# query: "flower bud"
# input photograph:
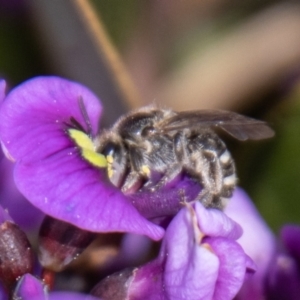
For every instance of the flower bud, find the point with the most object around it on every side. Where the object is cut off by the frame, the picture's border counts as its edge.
(114, 286)
(60, 243)
(16, 256)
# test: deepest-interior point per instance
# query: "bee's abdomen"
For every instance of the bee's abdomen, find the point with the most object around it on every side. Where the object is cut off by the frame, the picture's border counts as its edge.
(215, 167)
(229, 174)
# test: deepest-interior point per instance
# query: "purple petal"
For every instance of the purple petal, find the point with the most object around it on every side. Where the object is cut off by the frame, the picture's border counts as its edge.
(233, 264)
(35, 113)
(69, 296)
(2, 89)
(290, 236)
(211, 266)
(50, 171)
(21, 210)
(4, 216)
(283, 279)
(134, 249)
(62, 296)
(167, 201)
(184, 269)
(190, 264)
(214, 222)
(191, 269)
(29, 287)
(257, 241)
(75, 193)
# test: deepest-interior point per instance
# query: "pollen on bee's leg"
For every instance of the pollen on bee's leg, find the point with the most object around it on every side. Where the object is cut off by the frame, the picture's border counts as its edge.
(94, 158)
(146, 170)
(81, 139)
(87, 148)
(110, 170)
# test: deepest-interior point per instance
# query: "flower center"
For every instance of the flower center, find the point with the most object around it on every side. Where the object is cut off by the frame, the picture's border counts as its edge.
(87, 148)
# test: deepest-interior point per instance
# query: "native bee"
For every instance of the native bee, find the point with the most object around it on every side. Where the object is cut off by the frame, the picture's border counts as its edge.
(166, 143)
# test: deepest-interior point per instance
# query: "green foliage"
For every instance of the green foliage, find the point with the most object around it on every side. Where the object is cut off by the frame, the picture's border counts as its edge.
(271, 171)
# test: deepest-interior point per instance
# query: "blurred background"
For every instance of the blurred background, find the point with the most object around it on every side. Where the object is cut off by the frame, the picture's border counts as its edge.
(221, 54)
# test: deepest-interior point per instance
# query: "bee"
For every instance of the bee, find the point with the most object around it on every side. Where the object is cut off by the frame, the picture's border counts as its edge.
(149, 147)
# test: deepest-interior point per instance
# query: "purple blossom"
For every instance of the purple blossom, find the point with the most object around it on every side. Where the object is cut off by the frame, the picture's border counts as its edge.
(257, 240)
(202, 255)
(22, 211)
(31, 288)
(283, 278)
(199, 259)
(36, 118)
(278, 267)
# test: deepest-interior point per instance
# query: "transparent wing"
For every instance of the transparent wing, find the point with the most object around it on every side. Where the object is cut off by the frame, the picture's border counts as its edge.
(238, 126)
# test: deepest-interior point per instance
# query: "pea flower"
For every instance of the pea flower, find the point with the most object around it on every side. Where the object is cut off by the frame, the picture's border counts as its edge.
(278, 262)
(199, 259)
(17, 267)
(21, 211)
(30, 288)
(283, 278)
(47, 126)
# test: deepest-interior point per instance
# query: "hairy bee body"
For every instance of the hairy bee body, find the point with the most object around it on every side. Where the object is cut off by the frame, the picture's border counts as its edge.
(150, 147)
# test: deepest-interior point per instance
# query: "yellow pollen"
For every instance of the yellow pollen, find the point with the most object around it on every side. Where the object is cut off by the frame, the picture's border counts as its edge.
(110, 159)
(87, 148)
(110, 171)
(145, 170)
(81, 139)
(94, 158)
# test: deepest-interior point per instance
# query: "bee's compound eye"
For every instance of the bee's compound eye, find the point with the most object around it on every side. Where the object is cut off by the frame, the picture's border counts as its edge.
(111, 149)
(147, 131)
(116, 162)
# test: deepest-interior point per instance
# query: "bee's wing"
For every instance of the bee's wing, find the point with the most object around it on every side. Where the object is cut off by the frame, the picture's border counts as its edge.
(238, 126)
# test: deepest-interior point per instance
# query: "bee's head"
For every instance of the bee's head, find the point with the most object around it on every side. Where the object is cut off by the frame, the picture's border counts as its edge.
(111, 146)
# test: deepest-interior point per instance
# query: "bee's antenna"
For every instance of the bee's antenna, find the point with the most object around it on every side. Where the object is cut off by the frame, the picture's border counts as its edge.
(85, 116)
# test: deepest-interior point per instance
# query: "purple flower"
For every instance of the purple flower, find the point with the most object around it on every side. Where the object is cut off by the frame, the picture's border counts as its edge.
(10, 198)
(283, 277)
(22, 211)
(278, 268)
(31, 288)
(199, 259)
(42, 126)
(257, 240)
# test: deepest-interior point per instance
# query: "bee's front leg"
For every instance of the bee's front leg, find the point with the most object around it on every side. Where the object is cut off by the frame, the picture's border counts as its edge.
(133, 182)
(172, 172)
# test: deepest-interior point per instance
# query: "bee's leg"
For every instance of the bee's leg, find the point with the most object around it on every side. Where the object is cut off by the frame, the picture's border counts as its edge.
(217, 172)
(202, 170)
(172, 172)
(132, 183)
(139, 171)
(175, 168)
